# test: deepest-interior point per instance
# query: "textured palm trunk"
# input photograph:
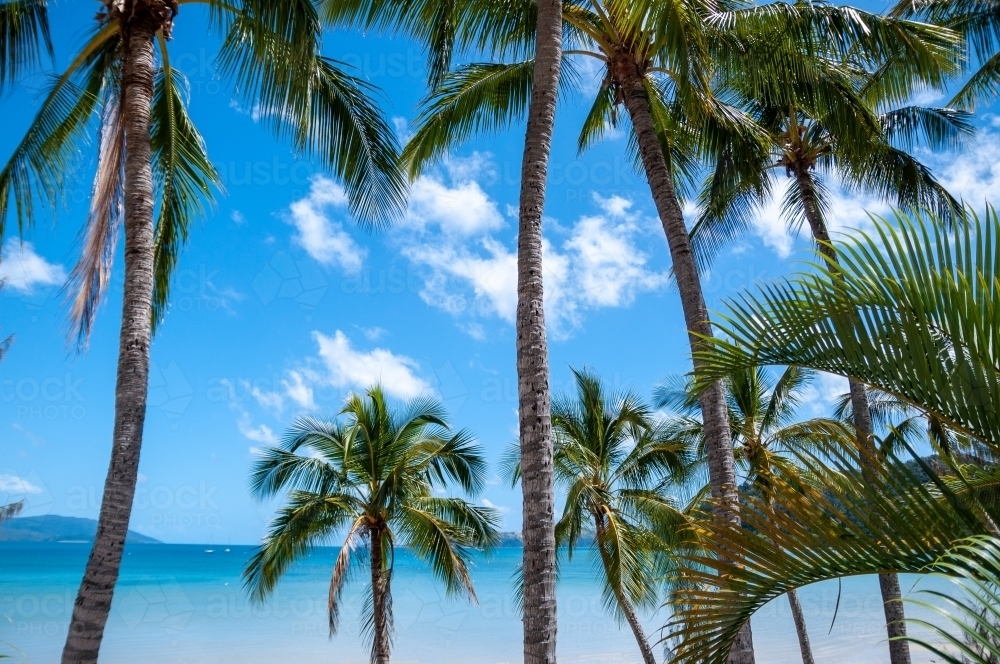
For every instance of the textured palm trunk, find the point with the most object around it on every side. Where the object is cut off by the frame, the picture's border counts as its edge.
(93, 600)
(718, 442)
(534, 422)
(623, 602)
(380, 601)
(899, 650)
(800, 628)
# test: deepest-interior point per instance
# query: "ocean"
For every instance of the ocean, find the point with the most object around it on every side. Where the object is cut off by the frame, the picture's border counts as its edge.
(177, 603)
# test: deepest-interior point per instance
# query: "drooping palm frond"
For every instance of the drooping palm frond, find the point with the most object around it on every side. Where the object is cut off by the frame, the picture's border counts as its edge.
(816, 522)
(477, 98)
(37, 168)
(973, 565)
(11, 510)
(24, 34)
(271, 53)
(913, 315)
(183, 172)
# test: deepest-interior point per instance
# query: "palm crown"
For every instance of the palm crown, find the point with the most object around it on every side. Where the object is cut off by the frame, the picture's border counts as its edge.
(270, 53)
(372, 479)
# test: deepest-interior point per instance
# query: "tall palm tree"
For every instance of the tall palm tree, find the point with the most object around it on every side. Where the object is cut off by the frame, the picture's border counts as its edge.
(661, 60)
(373, 479)
(617, 468)
(508, 28)
(766, 433)
(154, 178)
(919, 299)
(851, 132)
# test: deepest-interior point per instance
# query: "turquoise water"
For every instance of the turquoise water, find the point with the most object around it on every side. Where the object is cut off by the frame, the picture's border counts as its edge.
(175, 603)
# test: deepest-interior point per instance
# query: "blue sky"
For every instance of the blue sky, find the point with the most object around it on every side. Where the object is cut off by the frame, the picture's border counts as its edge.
(281, 305)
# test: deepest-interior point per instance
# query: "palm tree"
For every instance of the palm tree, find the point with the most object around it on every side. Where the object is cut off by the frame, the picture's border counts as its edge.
(660, 59)
(918, 300)
(616, 467)
(154, 178)
(508, 28)
(765, 431)
(833, 134)
(374, 477)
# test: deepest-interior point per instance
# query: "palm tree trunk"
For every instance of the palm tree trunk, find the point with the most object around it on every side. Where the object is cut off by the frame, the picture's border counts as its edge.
(380, 601)
(623, 602)
(93, 601)
(718, 442)
(800, 628)
(892, 604)
(534, 422)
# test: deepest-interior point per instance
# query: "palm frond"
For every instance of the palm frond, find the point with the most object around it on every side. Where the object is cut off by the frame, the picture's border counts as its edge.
(183, 172)
(913, 315)
(37, 168)
(24, 34)
(477, 98)
(824, 524)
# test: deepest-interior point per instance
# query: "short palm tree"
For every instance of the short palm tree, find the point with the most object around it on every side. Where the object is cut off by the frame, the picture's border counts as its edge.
(373, 479)
(442, 26)
(154, 178)
(766, 432)
(617, 469)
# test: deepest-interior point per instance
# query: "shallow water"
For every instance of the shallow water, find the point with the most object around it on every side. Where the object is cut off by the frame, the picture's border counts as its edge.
(178, 603)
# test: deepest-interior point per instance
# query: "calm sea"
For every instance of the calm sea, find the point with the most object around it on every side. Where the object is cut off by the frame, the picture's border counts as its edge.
(177, 603)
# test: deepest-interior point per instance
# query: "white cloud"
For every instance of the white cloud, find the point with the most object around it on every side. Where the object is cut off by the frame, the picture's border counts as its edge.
(499, 508)
(463, 209)
(598, 264)
(298, 391)
(267, 399)
(372, 333)
(348, 368)
(973, 173)
(258, 434)
(322, 238)
(17, 486)
(237, 217)
(23, 269)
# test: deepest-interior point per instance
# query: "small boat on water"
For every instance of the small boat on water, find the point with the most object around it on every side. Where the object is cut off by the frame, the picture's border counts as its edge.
(209, 550)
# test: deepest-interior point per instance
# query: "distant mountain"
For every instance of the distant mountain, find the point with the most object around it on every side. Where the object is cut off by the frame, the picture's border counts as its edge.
(53, 528)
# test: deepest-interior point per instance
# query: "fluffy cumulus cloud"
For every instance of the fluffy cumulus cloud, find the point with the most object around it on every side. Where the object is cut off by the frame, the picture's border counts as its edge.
(24, 270)
(324, 238)
(467, 271)
(349, 368)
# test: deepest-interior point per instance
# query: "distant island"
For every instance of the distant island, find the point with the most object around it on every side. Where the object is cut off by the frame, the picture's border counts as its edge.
(53, 528)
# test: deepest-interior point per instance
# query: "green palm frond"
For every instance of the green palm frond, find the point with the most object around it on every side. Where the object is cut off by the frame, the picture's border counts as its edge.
(913, 314)
(24, 35)
(816, 522)
(37, 168)
(183, 172)
(271, 54)
(306, 520)
(936, 127)
(477, 98)
(973, 565)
